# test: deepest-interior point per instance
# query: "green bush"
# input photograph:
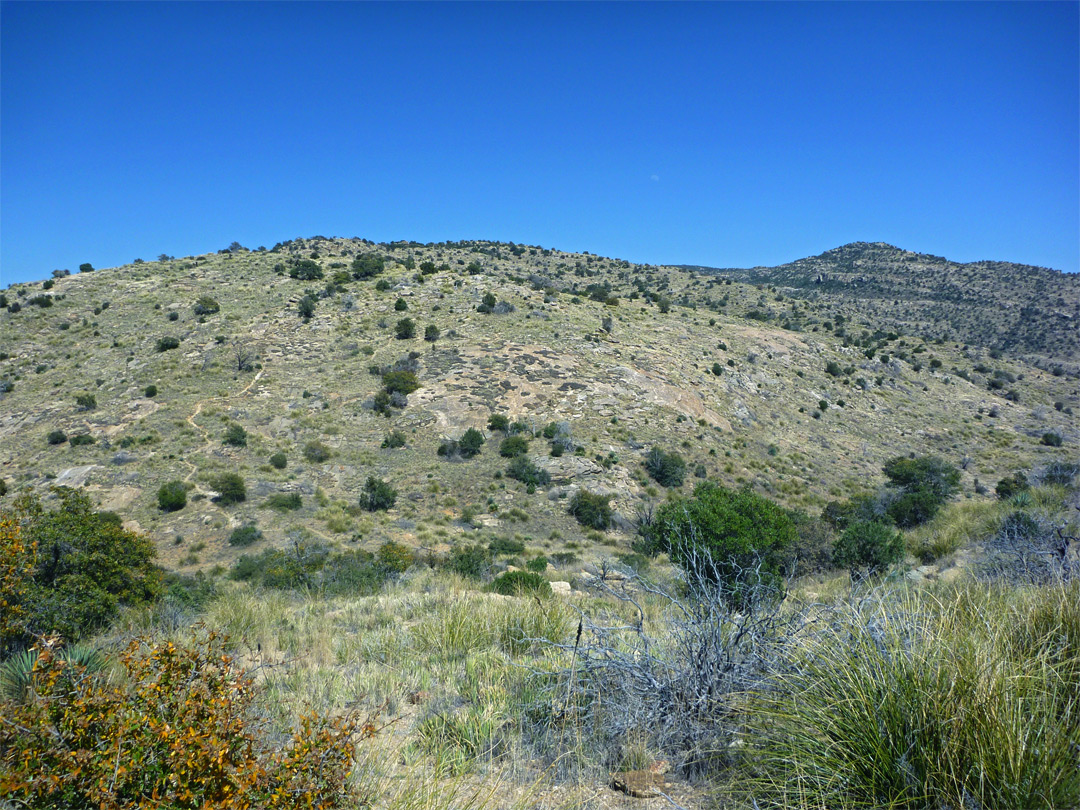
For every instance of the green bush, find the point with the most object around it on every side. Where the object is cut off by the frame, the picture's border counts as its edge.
(733, 538)
(279, 460)
(537, 564)
(405, 329)
(244, 536)
(925, 482)
(1052, 439)
(512, 446)
(868, 547)
(499, 421)
(591, 510)
(150, 391)
(230, 488)
(305, 307)
(505, 546)
(394, 439)
(523, 470)
(172, 496)
(470, 561)
(667, 469)
(470, 442)
(81, 440)
(235, 436)
(205, 305)
(521, 583)
(285, 501)
(305, 270)
(68, 570)
(401, 305)
(395, 557)
(368, 266)
(56, 437)
(431, 333)
(1010, 485)
(167, 343)
(86, 402)
(378, 495)
(400, 382)
(317, 452)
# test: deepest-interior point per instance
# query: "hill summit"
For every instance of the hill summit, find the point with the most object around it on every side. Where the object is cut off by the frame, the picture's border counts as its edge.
(1030, 311)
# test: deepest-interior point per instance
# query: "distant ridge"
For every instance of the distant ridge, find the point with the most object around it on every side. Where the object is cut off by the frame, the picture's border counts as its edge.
(1027, 310)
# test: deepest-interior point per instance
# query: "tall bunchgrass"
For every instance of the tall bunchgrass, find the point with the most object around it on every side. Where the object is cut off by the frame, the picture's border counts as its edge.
(966, 698)
(957, 525)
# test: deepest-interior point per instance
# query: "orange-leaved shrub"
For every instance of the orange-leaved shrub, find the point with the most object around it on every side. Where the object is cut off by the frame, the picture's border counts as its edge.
(180, 731)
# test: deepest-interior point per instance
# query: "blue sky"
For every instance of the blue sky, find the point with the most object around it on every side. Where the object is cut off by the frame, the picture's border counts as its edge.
(721, 134)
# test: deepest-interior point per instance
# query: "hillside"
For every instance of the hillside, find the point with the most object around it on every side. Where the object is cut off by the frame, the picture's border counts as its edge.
(765, 388)
(1032, 312)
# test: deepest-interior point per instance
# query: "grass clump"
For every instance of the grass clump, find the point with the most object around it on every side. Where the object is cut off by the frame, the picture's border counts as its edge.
(967, 700)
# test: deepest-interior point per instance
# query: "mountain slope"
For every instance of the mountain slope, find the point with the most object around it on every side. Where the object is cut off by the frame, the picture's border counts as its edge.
(1030, 311)
(751, 388)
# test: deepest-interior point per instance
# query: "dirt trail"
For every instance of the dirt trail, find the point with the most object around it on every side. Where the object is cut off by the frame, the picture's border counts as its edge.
(208, 441)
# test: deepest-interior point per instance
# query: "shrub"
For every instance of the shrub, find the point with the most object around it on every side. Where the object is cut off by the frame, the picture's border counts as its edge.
(86, 402)
(1051, 439)
(305, 270)
(506, 546)
(537, 565)
(56, 437)
(521, 583)
(230, 488)
(183, 725)
(512, 446)
(395, 557)
(86, 267)
(591, 510)
(431, 333)
(68, 570)
(667, 469)
(82, 439)
(317, 452)
(833, 368)
(1010, 485)
(868, 546)
(743, 538)
(244, 536)
(305, 307)
(285, 501)
(470, 442)
(279, 460)
(378, 495)
(1061, 473)
(470, 561)
(499, 421)
(400, 382)
(173, 316)
(925, 482)
(523, 470)
(405, 329)
(401, 305)
(172, 496)
(205, 305)
(167, 343)
(150, 391)
(235, 436)
(394, 439)
(368, 265)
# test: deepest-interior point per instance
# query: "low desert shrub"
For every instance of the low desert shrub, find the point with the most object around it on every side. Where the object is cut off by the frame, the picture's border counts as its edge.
(244, 536)
(172, 496)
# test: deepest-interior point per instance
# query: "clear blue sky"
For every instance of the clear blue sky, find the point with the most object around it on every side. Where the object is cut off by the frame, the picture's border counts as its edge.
(722, 134)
